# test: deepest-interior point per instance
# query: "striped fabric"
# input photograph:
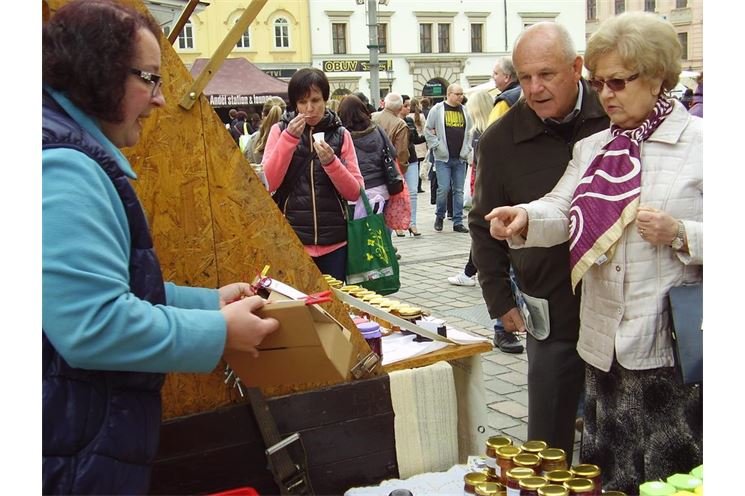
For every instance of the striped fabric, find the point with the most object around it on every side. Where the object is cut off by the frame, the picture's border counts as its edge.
(607, 197)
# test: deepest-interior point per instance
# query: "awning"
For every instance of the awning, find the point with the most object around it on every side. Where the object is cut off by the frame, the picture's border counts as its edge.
(238, 82)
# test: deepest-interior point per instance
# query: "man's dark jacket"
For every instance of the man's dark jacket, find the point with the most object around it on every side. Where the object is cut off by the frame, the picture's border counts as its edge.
(521, 159)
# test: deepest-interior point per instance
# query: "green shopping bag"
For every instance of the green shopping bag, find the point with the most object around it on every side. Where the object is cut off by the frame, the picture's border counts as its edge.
(371, 259)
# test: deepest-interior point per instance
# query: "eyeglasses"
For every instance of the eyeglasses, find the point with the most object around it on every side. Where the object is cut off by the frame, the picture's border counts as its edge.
(615, 84)
(155, 79)
(457, 94)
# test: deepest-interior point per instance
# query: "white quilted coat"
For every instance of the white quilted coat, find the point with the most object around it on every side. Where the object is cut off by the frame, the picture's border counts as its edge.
(624, 301)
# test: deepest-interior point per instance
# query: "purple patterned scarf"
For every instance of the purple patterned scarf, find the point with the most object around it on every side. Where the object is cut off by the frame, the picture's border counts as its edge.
(607, 197)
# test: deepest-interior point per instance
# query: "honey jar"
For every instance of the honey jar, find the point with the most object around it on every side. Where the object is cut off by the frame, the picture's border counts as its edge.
(529, 486)
(589, 471)
(505, 456)
(558, 476)
(585, 487)
(529, 460)
(533, 446)
(553, 459)
(492, 444)
(514, 476)
(489, 489)
(553, 490)
(471, 480)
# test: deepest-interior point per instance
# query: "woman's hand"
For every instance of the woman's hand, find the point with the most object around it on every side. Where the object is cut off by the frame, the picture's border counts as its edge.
(234, 292)
(325, 152)
(246, 330)
(655, 226)
(296, 125)
(506, 222)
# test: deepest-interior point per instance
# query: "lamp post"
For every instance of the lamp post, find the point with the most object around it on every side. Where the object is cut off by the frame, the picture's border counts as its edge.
(374, 47)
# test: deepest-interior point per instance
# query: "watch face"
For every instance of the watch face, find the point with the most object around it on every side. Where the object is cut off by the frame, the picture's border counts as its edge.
(677, 244)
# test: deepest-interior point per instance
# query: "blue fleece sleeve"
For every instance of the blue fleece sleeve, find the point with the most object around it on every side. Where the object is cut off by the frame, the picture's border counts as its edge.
(89, 313)
(189, 297)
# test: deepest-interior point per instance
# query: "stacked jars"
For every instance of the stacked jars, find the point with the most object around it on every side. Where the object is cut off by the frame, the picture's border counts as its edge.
(492, 445)
(591, 472)
(514, 476)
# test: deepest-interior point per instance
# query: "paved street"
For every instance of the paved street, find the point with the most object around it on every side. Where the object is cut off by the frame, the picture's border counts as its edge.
(426, 262)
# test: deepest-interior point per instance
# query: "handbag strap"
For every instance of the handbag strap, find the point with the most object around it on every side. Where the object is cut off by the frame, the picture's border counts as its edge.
(386, 148)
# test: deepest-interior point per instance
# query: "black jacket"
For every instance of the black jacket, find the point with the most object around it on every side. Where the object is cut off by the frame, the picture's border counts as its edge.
(521, 159)
(369, 145)
(414, 139)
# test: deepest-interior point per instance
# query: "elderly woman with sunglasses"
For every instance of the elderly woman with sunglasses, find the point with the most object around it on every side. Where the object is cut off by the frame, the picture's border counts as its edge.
(111, 327)
(631, 205)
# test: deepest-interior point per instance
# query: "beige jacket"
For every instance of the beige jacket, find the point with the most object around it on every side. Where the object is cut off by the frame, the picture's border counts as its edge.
(624, 301)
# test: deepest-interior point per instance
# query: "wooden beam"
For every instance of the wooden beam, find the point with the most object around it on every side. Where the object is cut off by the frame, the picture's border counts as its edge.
(227, 46)
(183, 18)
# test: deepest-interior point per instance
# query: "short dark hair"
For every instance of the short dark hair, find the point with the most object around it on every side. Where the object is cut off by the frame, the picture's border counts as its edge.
(353, 113)
(87, 51)
(303, 81)
(405, 97)
(241, 115)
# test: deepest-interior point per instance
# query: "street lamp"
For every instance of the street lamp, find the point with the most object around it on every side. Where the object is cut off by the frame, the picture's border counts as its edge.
(372, 23)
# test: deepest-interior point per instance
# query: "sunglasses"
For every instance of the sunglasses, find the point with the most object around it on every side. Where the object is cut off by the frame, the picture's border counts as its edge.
(615, 84)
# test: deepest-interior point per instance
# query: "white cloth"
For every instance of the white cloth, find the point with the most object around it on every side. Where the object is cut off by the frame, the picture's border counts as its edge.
(448, 483)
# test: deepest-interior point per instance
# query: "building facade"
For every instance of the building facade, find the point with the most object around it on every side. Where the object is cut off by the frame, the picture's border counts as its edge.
(687, 16)
(425, 45)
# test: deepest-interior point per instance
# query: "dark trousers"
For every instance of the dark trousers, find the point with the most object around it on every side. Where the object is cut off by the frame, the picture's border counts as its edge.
(334, 263)
(556, 378)
(470, 269)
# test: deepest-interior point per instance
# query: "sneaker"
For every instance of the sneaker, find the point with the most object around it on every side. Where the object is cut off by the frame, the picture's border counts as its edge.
(438, 224)
(460, 228)
(462, 280)
(507, 342)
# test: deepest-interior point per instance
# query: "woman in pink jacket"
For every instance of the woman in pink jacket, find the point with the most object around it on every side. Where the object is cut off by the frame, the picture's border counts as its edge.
(311, 168)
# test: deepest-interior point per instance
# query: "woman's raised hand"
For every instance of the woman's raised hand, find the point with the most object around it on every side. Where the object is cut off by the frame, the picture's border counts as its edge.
(506, 222)
(296, 125)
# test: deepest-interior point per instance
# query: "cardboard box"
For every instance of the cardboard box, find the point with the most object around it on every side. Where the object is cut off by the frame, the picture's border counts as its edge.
(310, 346)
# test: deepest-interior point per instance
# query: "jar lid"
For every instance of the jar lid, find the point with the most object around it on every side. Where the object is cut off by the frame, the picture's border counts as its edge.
(527, 460)
(488, 488)
(368, 327)
(517, 473)
(533, 482)
(553, 454)
(586, 470)
(495, 442)
(559, 475)
(534, 446)
(553, 490)
(579, 485)
(508, 451)
(474, 478)
(698, 472)
(656, 488)
(685, 482)
(409, 311)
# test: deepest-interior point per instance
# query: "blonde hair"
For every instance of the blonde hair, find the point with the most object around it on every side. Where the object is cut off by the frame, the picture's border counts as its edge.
(271, 112)
(644, 42)
(479, 106)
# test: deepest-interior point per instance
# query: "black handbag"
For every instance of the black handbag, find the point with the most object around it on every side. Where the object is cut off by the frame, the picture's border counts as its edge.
(394, 181)
(686, 310)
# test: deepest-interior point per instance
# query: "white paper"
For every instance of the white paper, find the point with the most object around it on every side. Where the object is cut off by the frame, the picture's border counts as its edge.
(397, 347)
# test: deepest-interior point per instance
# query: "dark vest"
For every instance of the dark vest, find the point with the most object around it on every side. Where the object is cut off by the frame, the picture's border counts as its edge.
(310, 202)
(369, 145)
(100, 428)
(509, 95)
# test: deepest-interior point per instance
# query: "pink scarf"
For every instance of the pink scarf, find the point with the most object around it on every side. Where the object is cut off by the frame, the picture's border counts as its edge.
(607, 197)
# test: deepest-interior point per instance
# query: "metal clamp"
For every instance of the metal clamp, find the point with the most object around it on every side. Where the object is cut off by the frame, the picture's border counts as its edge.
(297, 482)
(364, 367)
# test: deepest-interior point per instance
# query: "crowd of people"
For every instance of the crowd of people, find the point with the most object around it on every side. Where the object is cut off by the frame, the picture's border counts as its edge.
(587, 209)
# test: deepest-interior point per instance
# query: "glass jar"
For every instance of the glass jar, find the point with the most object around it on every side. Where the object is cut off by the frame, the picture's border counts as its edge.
(489, 489)
(585, 487)
(411, 314)
(529, 486)
(592, 472)
(558, 476)
(471, 480)
(533, 446)
(553, 490)
(553, 459)
(530, 460)
(371, 332)
(656, 488)
(514, 476)
(505, 455)
(492, 444)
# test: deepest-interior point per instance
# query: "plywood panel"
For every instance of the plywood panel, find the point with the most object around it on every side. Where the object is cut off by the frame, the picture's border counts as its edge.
(212, 221)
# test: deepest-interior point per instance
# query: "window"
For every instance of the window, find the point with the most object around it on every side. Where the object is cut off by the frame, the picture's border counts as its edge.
(281, 33)
(683, 39)
(477, 38)
(245, 40)
(185, 37)
(443, 38)
(650, 5)
(425, 38)
(620, 6)
(339, 37)
(382, 38)
(592, 10)
(681, 4)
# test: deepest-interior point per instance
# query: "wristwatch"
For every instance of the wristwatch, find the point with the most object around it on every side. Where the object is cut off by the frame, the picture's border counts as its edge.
(679, 239)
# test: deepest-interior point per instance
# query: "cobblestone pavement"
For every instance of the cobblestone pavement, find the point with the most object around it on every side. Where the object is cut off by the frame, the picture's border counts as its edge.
(426, 263)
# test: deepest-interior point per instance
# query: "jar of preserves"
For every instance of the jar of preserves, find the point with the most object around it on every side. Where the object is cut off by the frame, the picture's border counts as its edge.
(471, 480)
(553, 459)
(530, 460)
(492, 444)
(410, 313)
(371, 332)
(558, 476)
(589, 471)
(514, 476)
(533, 446)
(553, 490)
(489, 489)
(505, 455)
(529, 486)
(585, 487)
(656, 488)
